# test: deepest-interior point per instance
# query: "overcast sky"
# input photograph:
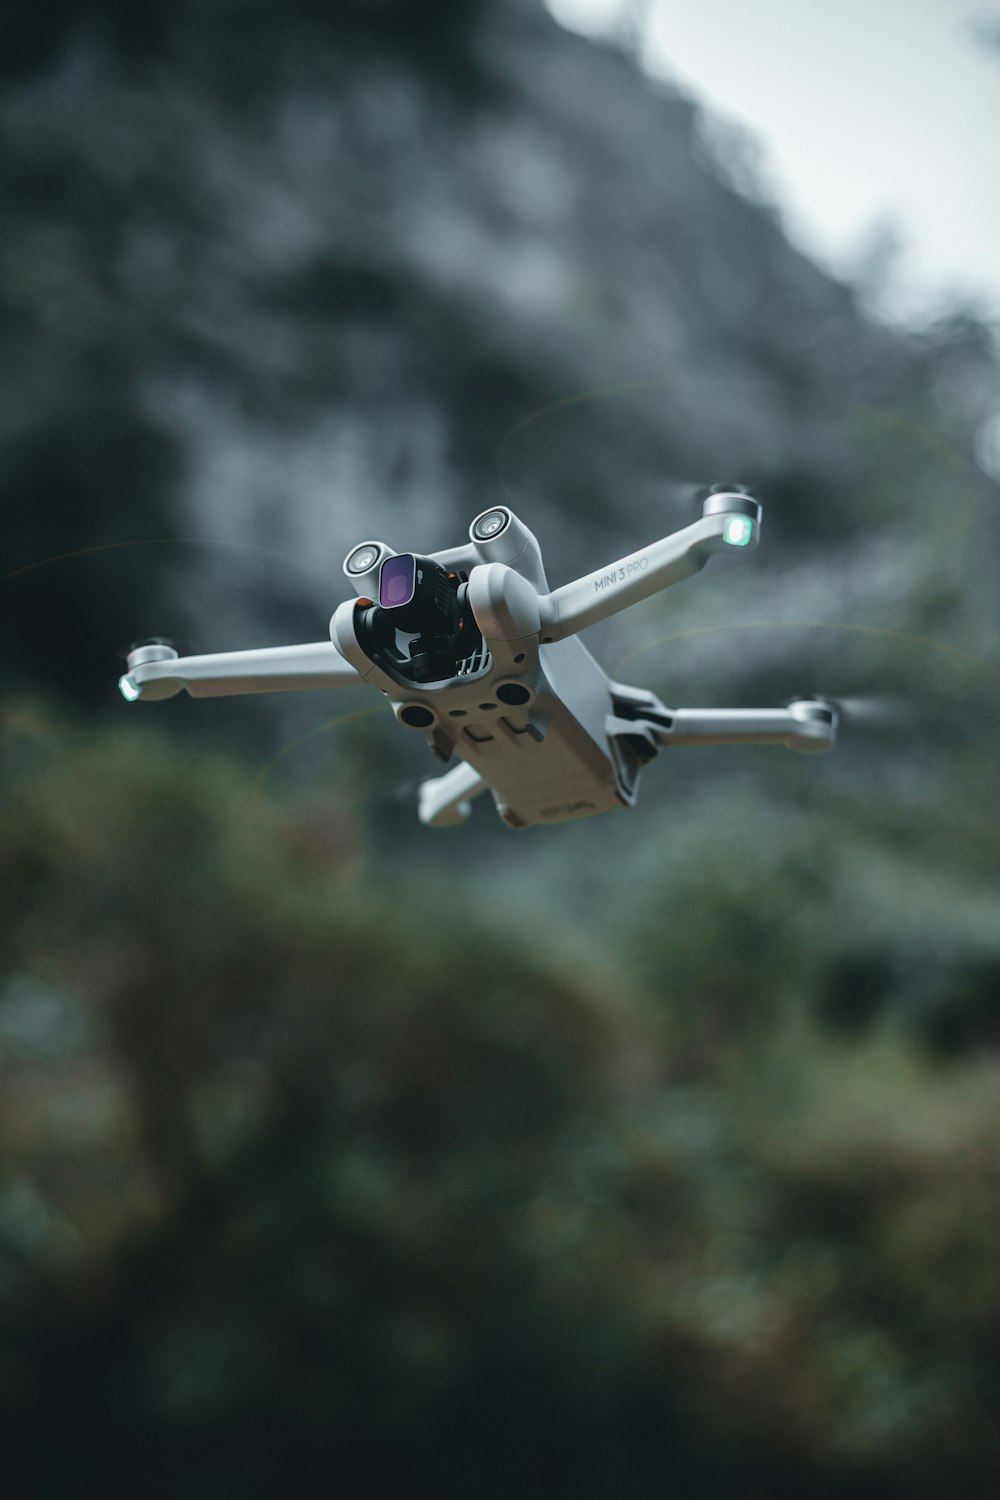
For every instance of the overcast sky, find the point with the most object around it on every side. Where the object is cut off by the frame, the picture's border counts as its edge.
(868, 112)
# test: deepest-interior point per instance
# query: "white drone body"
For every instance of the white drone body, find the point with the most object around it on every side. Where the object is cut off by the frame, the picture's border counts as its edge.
(477, 655)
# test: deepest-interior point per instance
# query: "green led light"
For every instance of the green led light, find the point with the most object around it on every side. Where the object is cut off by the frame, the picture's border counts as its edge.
(739, 530)
(129, 689)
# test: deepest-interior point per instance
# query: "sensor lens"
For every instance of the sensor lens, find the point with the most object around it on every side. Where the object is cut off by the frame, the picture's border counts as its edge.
(362, 558)
(490, 525)
(513, 693)
(397, 581)
(739, 530)
(129, 689)
(416, 716)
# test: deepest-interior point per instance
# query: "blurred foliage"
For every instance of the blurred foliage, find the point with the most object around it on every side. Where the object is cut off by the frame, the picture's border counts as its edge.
(652, 1154)
(300, 1162)
(235, 39)
(279, 277)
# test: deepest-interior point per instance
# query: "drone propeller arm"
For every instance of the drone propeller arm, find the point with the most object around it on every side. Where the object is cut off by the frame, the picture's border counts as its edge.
(731, 522)
(444, 800)
(156, 672)
(806, 725)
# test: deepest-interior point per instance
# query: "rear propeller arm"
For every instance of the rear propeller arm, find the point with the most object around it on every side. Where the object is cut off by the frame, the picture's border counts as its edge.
(444, 801)
(807, 725)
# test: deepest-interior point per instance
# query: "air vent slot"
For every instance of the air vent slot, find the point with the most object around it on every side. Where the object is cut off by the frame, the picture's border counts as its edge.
(479, 661)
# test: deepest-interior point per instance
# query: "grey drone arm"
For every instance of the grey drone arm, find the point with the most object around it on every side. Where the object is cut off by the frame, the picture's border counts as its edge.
(807, 725)
(444, 801)
(730, 522)
(156, 672)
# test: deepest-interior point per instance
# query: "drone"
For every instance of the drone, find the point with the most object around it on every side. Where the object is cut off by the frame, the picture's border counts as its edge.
(475, 653)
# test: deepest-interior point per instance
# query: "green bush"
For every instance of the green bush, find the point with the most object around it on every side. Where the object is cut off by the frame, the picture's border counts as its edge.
(298, 1166)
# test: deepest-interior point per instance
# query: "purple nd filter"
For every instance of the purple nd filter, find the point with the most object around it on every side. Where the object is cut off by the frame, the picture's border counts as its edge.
(397, 580)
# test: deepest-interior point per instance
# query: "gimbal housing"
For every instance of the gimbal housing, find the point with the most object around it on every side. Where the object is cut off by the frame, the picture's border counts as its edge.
(420, 599)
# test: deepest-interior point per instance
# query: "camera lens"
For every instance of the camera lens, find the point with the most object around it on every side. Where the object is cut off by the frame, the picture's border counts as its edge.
(397, 581)
(513, 693)
(362, 558)
(490, 525)
(417, 716)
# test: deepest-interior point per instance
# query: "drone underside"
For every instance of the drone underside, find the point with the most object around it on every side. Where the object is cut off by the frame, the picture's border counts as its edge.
(475, 653)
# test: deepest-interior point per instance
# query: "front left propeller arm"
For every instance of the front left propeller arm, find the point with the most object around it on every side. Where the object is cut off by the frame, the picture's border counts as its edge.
(157, 671)
(730, 522)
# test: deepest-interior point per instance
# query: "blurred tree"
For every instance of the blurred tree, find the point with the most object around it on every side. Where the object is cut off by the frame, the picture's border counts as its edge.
(306, 1169)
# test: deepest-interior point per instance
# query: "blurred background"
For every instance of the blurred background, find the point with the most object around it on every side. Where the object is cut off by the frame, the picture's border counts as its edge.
(653, 1153)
